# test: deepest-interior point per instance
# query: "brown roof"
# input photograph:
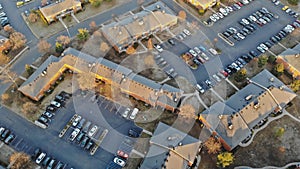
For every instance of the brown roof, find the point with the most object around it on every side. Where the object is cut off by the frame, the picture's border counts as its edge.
(56, 8)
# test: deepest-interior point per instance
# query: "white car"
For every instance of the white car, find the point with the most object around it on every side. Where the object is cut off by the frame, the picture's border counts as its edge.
(220, 15)
(93, 130)
(187, 32)
(216, 16)
(40, 158)
(205, 56)
(76, 121)
(134, 113)
(213, 51)
(260, 49)
(192, 52)
(246, 21)
(74, 134)
(199, 88)
(119, 161)
(196, 49)
(158, 47)
(55, 103)
(262, 21)
(213, 18)
(253, 18)
(223, 11)
(245, 2)
(240, 36)
(263, 46)
(216, 78)
(126, 112)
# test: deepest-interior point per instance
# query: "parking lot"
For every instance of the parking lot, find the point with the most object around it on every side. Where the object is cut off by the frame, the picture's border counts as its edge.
(204, 74)
(104, 114)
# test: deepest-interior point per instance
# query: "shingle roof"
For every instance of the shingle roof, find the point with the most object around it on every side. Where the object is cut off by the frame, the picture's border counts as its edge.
(56, 8)
(128, 80)
(242, 113)
(170, 137)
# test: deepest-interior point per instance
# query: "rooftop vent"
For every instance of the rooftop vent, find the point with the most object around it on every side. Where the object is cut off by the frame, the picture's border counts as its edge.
(141, 22)
(271, 79)
(163, 11)
(256, 104)
(157, 6)
(249, 97)
(220, 116)
(135, 17)
(120, 32)
(281, 87)
(230, 126)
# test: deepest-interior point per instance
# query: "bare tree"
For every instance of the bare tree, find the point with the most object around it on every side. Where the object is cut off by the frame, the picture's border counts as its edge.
(104, 47)
(44, 46)
(8, 76)
(187, 111)
(33, 17)
(64, 40)
(6, 99)
(8, 29)
(149, 60)
(19, 160)
(93, 26)
(3, 59)
(213, 146)
(97, 34)
(130, 50)
(86, 81)
(17, 39)
(150, 44)
(182, 15)
(29, 109)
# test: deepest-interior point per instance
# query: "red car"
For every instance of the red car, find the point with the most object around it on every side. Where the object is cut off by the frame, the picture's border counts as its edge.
(240, 4)
(122, 154)
(224, 73)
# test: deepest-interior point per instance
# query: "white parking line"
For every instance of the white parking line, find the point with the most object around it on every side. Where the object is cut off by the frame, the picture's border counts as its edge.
(282, 45)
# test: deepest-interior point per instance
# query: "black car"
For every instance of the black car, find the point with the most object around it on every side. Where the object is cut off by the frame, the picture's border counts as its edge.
(59, 165)
(253, 53)
(89, 145)
(228, 71)
(84, 141)
(268, 44)
(36, 153)
(236, 37)
(242, 23)
(133, 133)
(246, 30)
(250, 28)
(5, 134)
(243, 33)
(253, 26)
(46, 161)
(43, 120)
(226, 34)
(9, 139)
(280, 35)
(171, 41)
(79, 137)
(277, 38)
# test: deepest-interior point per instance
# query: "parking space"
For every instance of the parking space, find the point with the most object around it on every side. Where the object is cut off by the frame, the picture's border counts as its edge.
(98, 123)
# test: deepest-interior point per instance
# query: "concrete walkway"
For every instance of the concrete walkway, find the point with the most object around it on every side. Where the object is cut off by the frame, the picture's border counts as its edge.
(138, 153)
(212, 90)
(236, 88)
(147, 132)
(270, 167)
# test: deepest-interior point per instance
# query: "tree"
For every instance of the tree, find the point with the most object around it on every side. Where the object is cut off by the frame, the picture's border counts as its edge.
(86, 81)
(182, 15)
(19, 160)
(241, 75)
(8, 29)
(149, 60)
(95, 3)
(44, 46)
(225, 159)
(104, 47)
(29, 109)
(3, 58)
(295, 85)
(150, 44)
(262, 60)
(213, 145)
(93, 26)
(44, 2)
(64, 40)
(8, 76)
(279, 69)
(130, 50)
(272, 59)
(6, 99)
(187, 111)
(59, 47)
(279, 132)
(97, 34)
(33, 17)
(17, 39)
(293, 2)
(29, 69)
(83, 34)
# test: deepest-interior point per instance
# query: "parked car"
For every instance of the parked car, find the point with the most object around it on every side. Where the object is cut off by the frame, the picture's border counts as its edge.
(46, 161)
(119, 161)
(158, 48)
(122, 154)
(208, 82)
(79, 137)
(93, 130)
(193, 53)
(224, 73)
(134, 113)
(2, 129)
(43, 120)
(74, 134)
(50, 108)
(55, 103)
(213, 51)
(9, 139)
(51, 164)
(187, 32)
(48, 114)
(133, 133)
(199, 88)
(76, 121)
(126, 112)
(171, 41)
(260, 49)
(84, 141)
(89, 145)
(81, 123)
(253, 53)
(40, 158)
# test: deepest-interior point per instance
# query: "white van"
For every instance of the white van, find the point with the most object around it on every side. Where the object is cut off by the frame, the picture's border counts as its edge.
(134, 113)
